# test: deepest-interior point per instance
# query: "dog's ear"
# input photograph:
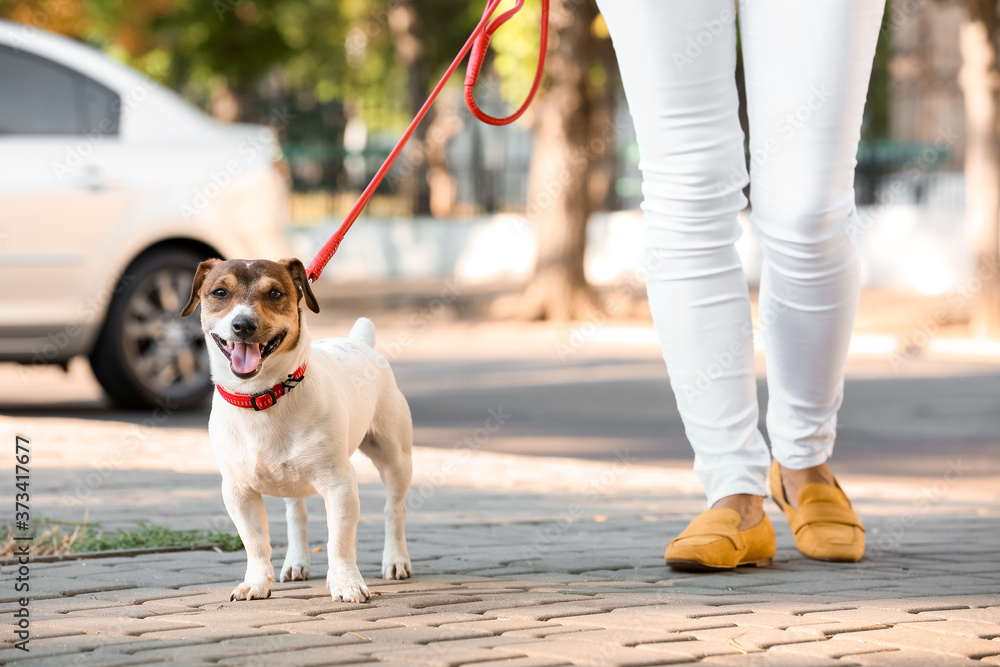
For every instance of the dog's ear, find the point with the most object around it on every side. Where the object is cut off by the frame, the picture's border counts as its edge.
(298, 273)
(199, 280)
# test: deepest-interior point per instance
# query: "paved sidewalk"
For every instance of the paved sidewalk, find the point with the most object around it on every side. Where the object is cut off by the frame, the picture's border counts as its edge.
(518, 561)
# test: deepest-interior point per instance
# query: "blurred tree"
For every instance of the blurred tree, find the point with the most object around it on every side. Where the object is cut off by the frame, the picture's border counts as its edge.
(573, 126)
(878, 107)
(980, 83)
(65, 17)
(408, 39)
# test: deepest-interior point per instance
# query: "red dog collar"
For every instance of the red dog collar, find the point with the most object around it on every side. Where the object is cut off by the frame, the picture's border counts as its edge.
(266, 398)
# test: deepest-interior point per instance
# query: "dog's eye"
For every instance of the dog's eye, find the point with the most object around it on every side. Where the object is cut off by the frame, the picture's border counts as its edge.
(220, 293)
(276, 294)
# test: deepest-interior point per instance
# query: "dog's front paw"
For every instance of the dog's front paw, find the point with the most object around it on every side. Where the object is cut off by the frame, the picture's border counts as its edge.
(396, 566)
(260, 590)
(348, 588)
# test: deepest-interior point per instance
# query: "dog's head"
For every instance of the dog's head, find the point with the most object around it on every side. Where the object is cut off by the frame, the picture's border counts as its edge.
(250, 310)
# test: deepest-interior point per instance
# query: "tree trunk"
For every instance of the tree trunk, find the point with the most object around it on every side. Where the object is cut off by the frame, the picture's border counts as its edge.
(558, 198)
(408, 42)
(441, 183)
(980, 83)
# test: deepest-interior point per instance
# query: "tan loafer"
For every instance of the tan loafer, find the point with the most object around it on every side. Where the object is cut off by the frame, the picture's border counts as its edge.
(713, 541)
(824, 524)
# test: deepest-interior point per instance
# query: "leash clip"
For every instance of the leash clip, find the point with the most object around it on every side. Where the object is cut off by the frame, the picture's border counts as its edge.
(292, 382)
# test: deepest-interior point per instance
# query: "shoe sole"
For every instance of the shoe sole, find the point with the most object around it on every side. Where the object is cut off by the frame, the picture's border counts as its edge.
(833, 560)
(698, 566)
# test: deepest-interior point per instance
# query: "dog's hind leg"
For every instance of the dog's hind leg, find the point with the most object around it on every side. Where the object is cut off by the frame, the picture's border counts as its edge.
(390, 451)
(296, 565)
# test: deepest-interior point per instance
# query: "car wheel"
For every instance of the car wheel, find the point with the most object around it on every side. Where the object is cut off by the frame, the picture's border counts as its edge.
(147, 355)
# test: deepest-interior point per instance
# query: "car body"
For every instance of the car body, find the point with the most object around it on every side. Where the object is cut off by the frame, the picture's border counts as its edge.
(102, 169)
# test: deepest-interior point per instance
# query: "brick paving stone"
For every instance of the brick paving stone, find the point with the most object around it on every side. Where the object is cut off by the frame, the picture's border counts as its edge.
(776, 660)
(624, 600)
(153, 578)
(764, 619)
(750, 638)
(821, 631)
(421, 585)
(545, 612)
(869, 616)
(910, 658)
(507, 602)
(498, 626)
(923, 640)
(66, 605)
(432, 619)
(134, 595)
(916, 604)
(548, 630)
(946, 582)
(66, 645)
(818, 586)
(374, 612)
(247, 614)
(421, 635)
(83, 660)
(689, 648)
(132, 644)
(122, 611)
(208, 634)
(652, 618)
(630, 637)
(312, 657)
(244, 646)
(794, 608)
(979, 614)
(524, 662)
(118, 626)
(332, 626)
(981, 630)
(826, 649)
(584, 653)
(439, 651)
(425, 601)
(52, 587)
(446, 656)
(80, 568)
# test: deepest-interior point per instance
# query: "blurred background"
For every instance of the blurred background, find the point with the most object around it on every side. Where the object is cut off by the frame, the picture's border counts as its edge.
(249, 127)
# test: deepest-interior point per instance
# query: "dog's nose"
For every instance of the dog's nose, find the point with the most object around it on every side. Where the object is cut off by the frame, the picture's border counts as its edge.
(244, 326)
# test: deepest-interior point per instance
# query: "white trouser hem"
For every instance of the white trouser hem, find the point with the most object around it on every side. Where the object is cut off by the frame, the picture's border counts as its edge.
(735, 488)
(788, 458)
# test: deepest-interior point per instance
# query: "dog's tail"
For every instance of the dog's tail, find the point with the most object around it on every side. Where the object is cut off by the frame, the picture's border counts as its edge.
(363, 331)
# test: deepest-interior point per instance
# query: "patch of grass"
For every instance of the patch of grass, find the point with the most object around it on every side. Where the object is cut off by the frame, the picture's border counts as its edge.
(82, 537)
(145, 536)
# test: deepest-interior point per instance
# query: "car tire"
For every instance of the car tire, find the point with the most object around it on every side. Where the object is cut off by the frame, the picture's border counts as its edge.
(146, 355)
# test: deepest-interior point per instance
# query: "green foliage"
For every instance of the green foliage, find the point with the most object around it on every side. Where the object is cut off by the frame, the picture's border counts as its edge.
(146, 536)
(878, 110)
(516, 49)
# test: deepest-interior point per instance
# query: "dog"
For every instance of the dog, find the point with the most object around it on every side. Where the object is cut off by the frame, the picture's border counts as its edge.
(288, 415)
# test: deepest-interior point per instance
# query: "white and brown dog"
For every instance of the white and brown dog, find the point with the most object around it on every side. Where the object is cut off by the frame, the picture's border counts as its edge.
(288, 415)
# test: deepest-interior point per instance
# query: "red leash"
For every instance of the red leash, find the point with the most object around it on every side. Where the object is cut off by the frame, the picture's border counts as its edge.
(478, 42)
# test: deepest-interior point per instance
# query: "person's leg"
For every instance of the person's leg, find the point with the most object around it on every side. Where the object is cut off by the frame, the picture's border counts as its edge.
(807, 67)
(678, 62)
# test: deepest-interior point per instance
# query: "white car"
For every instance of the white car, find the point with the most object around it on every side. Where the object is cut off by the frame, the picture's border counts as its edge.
(112, 189)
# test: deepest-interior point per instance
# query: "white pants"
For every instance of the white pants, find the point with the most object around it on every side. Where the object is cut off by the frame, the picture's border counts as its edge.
(807, 65)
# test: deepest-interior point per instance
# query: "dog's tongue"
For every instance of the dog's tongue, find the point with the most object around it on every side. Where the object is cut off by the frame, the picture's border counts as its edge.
(245, 357)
